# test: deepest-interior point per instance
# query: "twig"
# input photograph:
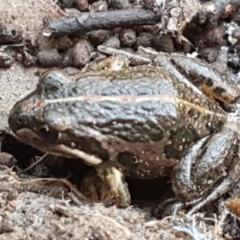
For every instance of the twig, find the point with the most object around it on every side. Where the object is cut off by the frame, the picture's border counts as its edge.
(220, 223)
(35, 163)
(65, 182)
(91, 21)
(133, 58)
(12, 45)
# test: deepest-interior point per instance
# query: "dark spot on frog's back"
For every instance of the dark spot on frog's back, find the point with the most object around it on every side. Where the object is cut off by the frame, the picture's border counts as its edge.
(191, 113)
(54, 81)
(134, 132)
(76, 91)
(108, 105)
(180, 140)
(149, 105)
(213, 128)
(110, 91)
(128, 159)
(209, 82)
(219, 90)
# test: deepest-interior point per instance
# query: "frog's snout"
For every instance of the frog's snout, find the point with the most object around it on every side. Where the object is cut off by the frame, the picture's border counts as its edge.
(18, 122)
(17, 119)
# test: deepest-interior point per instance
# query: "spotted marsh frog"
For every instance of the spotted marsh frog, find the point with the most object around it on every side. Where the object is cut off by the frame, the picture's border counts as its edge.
(141, 122)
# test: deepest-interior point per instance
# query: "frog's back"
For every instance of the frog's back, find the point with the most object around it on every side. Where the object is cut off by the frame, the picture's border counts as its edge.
(135, 81)
(137, 88)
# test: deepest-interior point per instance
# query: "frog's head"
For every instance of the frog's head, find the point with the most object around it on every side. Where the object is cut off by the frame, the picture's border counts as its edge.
(29, 112)
(40, 119)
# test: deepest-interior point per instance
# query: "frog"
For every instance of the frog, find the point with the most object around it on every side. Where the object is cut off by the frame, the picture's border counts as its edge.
(144, 122)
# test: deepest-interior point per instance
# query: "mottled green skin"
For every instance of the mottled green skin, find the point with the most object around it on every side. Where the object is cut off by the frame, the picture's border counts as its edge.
(146, 124)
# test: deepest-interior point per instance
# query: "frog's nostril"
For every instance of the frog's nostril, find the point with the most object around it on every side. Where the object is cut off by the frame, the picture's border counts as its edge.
(16, 120)
(19, 120)
(13, 123)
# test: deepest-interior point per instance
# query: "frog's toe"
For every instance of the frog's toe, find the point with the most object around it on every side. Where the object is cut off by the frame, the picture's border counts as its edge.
(165, 208)
(93, 187)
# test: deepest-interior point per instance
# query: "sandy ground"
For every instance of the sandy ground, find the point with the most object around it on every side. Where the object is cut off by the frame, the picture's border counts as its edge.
(16, 82)
(25, 214)
(26, 16)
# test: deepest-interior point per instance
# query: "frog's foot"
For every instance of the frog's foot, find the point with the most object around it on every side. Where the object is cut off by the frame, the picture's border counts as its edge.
(107, 186)
(93, 188)
(210, 168)
(166, 208)
(172, 207)
(225, 186)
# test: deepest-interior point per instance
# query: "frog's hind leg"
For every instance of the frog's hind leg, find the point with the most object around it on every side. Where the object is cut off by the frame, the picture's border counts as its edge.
(208, 170)
(232, 179)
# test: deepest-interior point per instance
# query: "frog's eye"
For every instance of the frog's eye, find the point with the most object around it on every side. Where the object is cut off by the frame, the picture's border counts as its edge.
(53, 80)
(19, 120)
(48, 134)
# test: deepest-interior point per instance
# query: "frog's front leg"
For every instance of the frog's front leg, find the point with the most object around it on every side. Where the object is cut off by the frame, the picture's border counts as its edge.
(107, 185)
(209, 169)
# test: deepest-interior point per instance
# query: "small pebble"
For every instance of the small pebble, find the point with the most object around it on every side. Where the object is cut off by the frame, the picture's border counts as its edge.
(99, 36)
(163, 44)
(144, 39)
(81, 53)
(127, 37)
(118, 4)
(81, 5)
(112, 42)
(233, 61)
(49, 58)
(209, 54)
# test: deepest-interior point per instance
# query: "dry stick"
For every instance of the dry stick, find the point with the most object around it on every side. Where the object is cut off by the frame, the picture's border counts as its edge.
(35, 163)
(91, 21)
(133, 58)
(67, 183)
